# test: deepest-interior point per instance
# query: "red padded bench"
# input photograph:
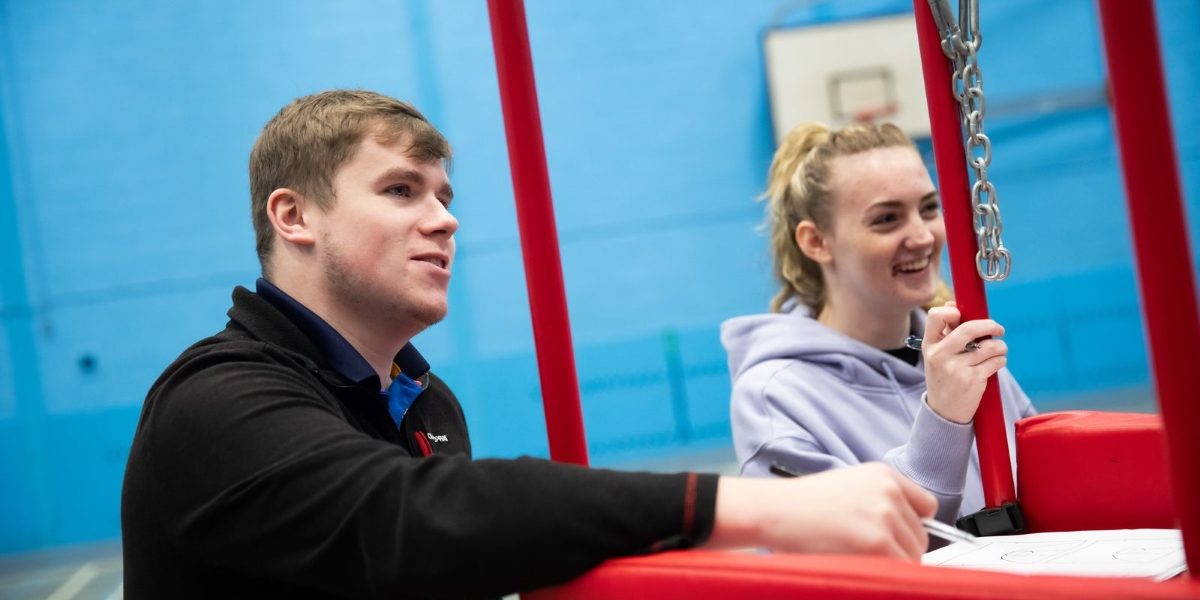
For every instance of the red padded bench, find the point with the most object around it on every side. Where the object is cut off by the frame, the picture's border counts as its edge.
(1076, 470)
(1094, 470)
(701, 575)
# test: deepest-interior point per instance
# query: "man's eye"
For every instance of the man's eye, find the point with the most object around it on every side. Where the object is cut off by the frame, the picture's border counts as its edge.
(400, 190)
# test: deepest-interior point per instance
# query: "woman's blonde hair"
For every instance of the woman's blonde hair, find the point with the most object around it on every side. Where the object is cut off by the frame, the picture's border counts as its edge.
(798, 190)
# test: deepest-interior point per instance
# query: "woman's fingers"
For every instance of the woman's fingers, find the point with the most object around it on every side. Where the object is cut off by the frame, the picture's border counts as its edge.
(941, 320)
(987, 350)
(990, 366)
(978, 328)
(910, 534)
(958, 365)
(963, 335)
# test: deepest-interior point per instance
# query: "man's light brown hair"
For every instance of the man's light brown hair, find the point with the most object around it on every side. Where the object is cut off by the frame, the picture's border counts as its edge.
(303, 146)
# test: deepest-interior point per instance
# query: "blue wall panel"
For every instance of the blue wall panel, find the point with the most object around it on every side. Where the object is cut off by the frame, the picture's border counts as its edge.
(89, 363)
(626, 393)
(86, 453)
(629, 282)
(20, 526)
(8, 390)
(126, 127)
(1087, 335)
(706, 382)
(505, 415)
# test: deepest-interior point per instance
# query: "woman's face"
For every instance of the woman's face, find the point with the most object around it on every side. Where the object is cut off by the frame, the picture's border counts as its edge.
(887, 231)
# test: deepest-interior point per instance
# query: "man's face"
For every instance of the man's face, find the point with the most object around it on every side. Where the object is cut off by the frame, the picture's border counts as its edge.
(387, 243)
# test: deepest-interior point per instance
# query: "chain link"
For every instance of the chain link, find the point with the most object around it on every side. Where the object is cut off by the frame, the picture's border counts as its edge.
(961, 40)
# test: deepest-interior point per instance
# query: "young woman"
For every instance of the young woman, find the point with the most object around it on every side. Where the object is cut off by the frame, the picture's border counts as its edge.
(825, 380)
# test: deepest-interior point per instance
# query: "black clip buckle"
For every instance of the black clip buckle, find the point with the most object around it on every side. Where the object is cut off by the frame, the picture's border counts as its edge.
(1005, 520)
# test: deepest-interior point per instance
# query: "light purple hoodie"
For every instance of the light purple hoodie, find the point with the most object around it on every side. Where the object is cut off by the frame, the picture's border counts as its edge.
(809, 398)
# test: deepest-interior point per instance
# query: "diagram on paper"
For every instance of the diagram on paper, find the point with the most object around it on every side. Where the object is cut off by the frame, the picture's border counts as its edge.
(1155, 553)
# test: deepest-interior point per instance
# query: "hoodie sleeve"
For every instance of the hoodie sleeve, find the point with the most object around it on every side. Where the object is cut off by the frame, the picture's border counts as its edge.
(1014, 397)
(938, 451)
(936, 458)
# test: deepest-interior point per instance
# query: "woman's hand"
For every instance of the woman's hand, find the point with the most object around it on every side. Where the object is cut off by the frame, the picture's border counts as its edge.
(956, 372)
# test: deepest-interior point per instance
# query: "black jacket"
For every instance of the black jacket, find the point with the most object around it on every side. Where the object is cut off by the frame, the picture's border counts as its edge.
(258, 472)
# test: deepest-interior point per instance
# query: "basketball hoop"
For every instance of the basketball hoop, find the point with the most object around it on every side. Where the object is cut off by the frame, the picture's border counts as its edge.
(871, 115)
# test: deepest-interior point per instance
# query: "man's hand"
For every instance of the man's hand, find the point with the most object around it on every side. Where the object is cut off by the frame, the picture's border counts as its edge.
(955, 373)
(865, 509)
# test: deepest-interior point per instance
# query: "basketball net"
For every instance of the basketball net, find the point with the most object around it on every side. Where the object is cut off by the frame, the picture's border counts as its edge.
(871, 115)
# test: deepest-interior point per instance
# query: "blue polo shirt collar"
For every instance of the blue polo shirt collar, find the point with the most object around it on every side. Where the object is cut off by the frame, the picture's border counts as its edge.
(338, 352)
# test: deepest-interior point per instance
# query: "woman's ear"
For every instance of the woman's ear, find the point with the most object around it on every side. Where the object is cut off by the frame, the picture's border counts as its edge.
(812, 242)
(290, 214)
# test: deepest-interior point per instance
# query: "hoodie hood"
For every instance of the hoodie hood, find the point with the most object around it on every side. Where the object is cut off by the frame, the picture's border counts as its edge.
(795, 335)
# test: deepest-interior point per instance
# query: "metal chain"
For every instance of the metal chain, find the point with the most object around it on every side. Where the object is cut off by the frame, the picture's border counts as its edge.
(960, 42)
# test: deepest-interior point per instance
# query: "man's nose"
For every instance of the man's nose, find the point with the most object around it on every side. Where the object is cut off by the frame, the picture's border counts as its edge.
(440, 220)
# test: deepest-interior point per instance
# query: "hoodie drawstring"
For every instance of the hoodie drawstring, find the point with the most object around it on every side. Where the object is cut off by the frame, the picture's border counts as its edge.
(891, 377)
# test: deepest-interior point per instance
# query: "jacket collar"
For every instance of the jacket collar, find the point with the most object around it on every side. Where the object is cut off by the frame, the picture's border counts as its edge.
(274, 317)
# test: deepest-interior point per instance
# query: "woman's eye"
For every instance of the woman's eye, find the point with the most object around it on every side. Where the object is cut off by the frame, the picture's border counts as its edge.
(931, 209)
(884, 219)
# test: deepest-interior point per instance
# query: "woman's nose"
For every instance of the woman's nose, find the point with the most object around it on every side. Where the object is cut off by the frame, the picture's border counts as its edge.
(920, 235)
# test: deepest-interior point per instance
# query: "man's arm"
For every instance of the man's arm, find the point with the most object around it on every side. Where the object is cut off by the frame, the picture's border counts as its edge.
(240, 467)
(251, 474)
(865, 509)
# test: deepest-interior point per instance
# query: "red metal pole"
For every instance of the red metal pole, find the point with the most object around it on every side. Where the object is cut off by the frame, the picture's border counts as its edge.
(539, 237)
(990, 435)
(1165, 272)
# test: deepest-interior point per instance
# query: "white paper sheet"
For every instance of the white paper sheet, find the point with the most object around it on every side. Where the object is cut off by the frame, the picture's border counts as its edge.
(1153, 553)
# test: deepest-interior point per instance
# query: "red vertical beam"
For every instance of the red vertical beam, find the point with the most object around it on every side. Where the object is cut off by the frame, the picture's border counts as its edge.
(955, 189)
(1165, 272)
(539, 237)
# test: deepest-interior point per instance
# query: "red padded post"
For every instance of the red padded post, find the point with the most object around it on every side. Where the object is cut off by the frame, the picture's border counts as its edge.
(990, 436)
(539, 236)
(1165, 271)
(1080, 470)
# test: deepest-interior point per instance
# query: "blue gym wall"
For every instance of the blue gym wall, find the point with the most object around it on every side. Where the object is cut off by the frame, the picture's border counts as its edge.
(124, 215)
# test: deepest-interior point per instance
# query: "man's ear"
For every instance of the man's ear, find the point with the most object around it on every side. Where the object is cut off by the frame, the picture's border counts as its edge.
(291, 215)
(812, 242)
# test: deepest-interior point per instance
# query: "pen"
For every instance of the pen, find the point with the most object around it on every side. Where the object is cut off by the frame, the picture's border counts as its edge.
(934, 528)
(782, 471)
(948, 533)
(914, 342)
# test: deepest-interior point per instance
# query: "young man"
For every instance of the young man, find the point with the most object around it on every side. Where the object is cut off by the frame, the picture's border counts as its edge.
(306, 451)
